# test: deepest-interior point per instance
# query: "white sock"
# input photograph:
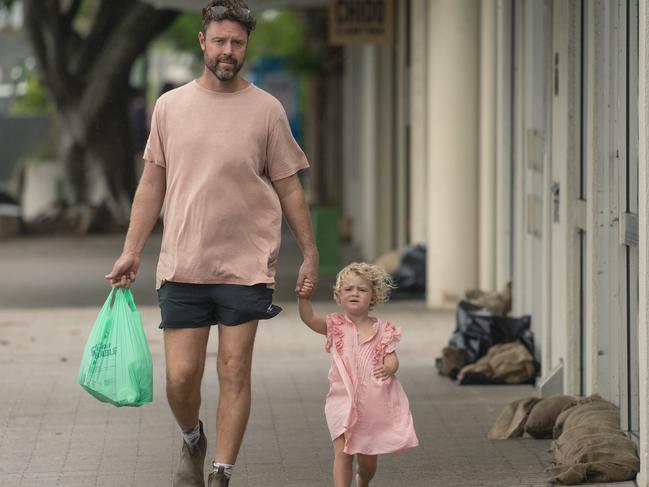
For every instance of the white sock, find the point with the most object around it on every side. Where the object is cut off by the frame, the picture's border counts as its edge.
(227, 468)
(192, 435)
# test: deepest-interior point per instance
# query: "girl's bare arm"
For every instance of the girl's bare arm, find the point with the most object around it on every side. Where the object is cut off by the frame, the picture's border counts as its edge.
(315, 322)
(388, 368)
(391, 361)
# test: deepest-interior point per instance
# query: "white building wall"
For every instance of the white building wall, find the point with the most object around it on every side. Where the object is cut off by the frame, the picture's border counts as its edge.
(643, 220)
(403, 125)
(452, 101)
(606, 255)
(504, 156)
(360, 147)
(563, 242)
(488, 134)
(419, 120)
(532, 170)
(564, 330)
(352, 181)
(365, 227)
(386, 156)
(370, 183)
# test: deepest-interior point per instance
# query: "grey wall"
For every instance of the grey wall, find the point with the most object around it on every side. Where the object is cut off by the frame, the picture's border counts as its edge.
(19, 136)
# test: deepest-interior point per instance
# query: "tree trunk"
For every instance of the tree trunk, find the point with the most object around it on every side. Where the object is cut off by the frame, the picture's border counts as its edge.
(87, 77)
(72, 154)
(110, 148)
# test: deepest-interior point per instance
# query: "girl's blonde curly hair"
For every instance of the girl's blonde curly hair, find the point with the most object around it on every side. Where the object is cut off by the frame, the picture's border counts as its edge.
(379, 280)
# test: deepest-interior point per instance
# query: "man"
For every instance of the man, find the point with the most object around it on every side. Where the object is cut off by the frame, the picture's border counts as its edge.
(221, 156)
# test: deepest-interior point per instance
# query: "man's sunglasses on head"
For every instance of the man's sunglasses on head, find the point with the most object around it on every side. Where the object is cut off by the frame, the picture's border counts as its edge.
(218, 10)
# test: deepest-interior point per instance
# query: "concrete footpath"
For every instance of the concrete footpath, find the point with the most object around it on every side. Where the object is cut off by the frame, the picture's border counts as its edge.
(54, 433)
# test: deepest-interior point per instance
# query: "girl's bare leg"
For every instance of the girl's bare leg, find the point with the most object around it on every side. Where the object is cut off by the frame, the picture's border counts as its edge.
(366, 469)
(342, 464)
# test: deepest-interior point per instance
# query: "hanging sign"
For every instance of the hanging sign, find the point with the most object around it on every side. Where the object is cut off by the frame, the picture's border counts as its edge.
(360, 21)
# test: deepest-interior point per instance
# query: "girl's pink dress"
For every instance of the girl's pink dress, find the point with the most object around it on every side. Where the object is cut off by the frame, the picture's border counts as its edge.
(373, 414)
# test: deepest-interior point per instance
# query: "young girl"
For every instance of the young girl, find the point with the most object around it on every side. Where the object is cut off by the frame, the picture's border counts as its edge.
(366, 408)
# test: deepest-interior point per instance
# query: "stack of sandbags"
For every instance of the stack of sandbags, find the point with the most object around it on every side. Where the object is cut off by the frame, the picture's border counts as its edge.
(590, 447)
(530, 415)
(505, 363)
(493, 346)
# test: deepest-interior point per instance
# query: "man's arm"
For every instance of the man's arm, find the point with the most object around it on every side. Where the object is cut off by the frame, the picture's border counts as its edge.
(296, 212)
(144, 213)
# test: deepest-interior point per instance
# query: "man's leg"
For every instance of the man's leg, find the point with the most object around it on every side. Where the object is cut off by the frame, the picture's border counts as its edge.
(233, 366)
(185, 357)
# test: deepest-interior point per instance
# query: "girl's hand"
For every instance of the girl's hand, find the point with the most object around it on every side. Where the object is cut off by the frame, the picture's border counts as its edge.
(383, 372)
(307, 288)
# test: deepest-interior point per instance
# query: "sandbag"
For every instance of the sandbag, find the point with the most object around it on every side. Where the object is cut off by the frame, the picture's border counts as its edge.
(451, 362)
(540, 422)
(583, 406)
(511, 422)
(591, 447)
(498, 303)
(505, 363)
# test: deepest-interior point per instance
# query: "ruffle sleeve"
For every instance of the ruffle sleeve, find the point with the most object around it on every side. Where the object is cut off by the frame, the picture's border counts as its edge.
(391, 337)
(335, 332)
(388, 343)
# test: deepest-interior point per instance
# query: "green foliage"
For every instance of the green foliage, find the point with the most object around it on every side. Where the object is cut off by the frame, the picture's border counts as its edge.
(85, 16)
(278, 34)
(35, 101)
(282, 33)
(183, 33)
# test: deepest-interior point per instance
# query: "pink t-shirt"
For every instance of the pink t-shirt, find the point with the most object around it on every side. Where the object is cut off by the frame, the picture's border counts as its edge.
(222, 218)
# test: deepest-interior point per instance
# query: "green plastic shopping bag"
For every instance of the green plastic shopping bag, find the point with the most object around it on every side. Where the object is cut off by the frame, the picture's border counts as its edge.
(116, 366)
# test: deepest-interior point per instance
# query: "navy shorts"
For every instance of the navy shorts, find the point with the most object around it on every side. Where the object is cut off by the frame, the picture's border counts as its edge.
(184, 305)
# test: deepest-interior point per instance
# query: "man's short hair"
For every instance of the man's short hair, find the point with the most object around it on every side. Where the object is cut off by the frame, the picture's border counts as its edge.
(235, 10)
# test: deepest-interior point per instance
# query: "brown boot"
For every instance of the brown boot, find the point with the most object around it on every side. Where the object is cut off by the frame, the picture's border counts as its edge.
(218, 479)
(189, 471)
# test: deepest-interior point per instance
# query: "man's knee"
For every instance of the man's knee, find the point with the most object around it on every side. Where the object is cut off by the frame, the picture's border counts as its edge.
(234, 369)
(184, 377)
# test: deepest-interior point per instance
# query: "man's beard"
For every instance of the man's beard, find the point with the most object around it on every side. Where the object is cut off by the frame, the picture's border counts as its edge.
(220, 73)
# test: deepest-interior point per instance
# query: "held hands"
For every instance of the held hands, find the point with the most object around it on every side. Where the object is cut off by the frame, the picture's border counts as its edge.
(383, 372)
(308, 273)
(307, 289)
(124, 270)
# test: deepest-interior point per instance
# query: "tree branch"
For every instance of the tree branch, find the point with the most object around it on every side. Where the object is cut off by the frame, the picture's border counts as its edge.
(68, 17)
(128, 39)
(42, 22)
(107, 18)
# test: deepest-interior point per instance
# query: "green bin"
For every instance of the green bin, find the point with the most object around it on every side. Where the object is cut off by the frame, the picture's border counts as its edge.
(326, 230)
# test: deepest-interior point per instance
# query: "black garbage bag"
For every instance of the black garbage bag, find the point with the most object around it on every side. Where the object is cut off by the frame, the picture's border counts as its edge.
(410, 275)
(477, 329)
